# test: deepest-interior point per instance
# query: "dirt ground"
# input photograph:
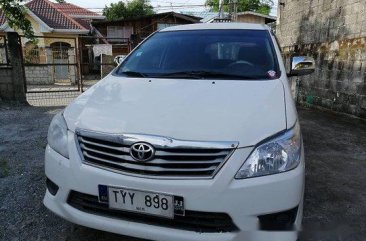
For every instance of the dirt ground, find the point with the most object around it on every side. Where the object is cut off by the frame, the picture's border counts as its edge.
(335, 201)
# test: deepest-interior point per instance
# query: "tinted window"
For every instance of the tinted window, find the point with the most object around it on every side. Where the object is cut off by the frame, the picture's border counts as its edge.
(226, 54)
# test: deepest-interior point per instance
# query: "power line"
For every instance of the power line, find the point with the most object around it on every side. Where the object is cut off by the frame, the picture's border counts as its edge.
(100, 10)
(158, 7)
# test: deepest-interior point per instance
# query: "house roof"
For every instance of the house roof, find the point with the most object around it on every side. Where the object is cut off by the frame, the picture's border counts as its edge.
(59, 17)
(84, 22)
(212, 16)
(218, 26)
(268, 18)
(51, 15)
(205, 16)
(190, 18)
(75, 11)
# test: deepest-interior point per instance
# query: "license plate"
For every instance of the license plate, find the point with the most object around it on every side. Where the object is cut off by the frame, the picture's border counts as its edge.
(157, 204)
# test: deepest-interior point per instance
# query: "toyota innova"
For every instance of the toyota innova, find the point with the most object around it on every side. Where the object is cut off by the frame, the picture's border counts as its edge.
(194, 136)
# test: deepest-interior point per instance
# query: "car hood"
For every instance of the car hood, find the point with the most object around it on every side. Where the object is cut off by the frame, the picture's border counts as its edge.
(199, 110)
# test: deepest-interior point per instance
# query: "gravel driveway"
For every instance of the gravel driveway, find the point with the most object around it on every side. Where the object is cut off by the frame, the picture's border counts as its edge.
(335, 201)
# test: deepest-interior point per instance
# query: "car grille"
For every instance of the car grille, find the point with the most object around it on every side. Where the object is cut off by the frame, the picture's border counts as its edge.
(205, 222)
(178, 160)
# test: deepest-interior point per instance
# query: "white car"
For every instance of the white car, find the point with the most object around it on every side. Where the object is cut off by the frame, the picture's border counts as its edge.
(194, 136)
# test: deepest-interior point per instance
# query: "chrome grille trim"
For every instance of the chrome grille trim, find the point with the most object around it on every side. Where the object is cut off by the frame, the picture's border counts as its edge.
(174, 159)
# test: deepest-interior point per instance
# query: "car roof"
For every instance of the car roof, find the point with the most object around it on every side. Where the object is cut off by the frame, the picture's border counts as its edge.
(208, 26)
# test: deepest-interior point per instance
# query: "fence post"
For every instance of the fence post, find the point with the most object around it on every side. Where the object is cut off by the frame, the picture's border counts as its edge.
(16, 61)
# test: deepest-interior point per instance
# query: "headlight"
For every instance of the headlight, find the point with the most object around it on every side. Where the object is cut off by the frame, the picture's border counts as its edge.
(57, 135)
(275, 156)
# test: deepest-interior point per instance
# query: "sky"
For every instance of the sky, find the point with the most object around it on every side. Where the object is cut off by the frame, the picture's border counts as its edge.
(159, 5)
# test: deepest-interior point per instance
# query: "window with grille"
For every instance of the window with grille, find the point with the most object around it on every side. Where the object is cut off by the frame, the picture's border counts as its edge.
(31, 53)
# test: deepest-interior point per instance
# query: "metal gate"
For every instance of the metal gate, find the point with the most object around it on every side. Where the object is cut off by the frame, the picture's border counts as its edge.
(60, 55)
(96, 64)
(58, 69)
(4, 58)
(51, 70)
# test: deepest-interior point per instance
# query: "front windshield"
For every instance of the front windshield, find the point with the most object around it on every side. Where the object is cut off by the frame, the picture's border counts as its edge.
(224, 54)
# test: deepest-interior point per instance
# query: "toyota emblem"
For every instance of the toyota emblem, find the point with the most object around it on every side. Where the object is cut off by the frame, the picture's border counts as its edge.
(142, 152)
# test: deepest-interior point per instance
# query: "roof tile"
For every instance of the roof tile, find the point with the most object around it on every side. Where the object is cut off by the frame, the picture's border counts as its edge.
(52, 16)
(84, 22)
(71, 9)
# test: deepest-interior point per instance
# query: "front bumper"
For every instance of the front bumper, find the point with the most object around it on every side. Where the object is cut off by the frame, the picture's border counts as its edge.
(243, 200)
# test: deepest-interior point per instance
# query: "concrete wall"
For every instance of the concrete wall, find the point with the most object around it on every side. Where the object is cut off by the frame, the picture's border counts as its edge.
(2, 56)
(45, 75)
(6, 84)
(334, 33)
(39, 75)
(109, 65)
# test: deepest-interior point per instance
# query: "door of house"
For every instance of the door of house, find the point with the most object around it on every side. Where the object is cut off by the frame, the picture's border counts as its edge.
(60, 52)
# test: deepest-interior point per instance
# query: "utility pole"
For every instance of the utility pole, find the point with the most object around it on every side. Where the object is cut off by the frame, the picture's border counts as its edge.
(235, 10)
(221, 9)
(230, 8)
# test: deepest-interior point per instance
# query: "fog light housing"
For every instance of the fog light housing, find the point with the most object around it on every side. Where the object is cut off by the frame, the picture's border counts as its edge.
(282, 221)
(52, 187)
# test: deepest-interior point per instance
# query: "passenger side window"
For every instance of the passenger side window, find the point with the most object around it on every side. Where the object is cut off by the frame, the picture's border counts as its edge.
(148, 59)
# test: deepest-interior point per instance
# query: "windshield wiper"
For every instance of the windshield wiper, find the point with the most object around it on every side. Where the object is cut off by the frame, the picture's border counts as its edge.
(133, 73)
(204, 74)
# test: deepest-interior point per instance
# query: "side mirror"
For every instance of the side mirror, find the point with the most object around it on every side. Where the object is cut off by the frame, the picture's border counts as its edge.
(119, 59)
(302, 65)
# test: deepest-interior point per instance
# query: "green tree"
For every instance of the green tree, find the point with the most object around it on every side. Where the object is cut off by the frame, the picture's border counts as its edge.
(259, 6)
(14, 13)
(115, 11)
(134, 8)
(60, 1)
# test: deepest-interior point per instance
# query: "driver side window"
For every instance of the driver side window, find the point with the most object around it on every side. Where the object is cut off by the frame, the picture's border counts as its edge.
(222, 51)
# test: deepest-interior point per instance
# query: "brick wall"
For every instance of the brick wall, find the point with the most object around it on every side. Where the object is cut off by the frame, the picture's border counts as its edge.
(6, 85)
(334, 33)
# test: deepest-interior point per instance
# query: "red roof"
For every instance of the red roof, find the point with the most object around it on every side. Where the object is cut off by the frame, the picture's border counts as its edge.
(84, 22)
(61, 15)
(50, 15)
(72, 9)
